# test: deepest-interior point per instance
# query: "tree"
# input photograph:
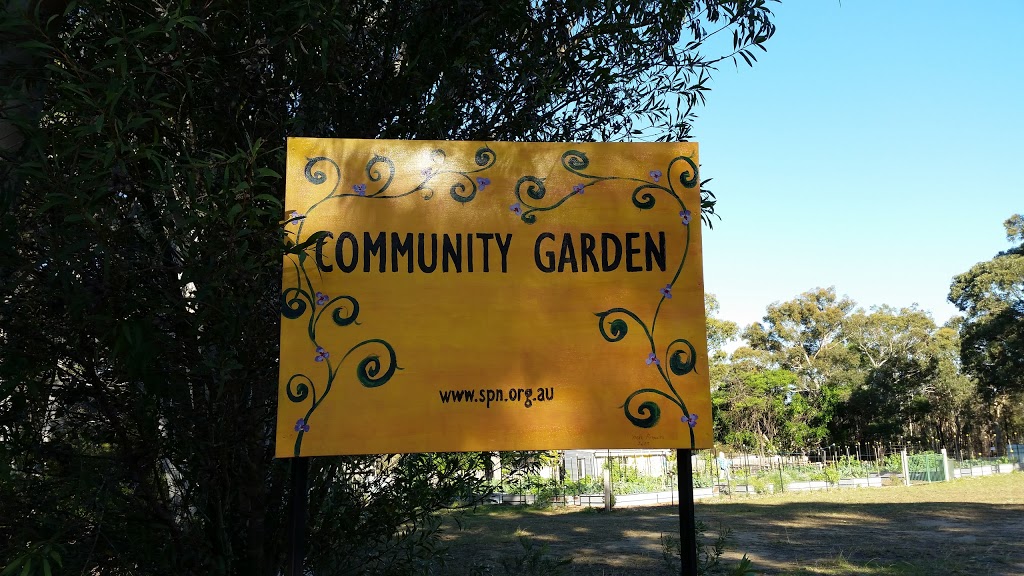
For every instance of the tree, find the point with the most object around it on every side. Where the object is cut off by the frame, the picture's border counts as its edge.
(895, 353)
(720, 332)
(953, 407)
(141, 240)
(991, 295)
(805, 336)
(755, 409)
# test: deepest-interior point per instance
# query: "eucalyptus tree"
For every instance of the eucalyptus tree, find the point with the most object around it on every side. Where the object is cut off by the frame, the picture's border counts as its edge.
(991, 296)
(806, 336)
(896, 355)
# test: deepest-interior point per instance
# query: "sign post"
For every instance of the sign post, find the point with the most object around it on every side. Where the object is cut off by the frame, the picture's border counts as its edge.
(297, 516)
(488, 296)
(687, 516)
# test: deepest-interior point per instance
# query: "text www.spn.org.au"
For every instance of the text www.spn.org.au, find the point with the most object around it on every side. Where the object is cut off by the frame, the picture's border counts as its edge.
(487, 396)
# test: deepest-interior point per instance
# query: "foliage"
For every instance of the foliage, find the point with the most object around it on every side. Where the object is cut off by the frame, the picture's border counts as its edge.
(534, 561)
(546, 489)
(45, 556)
(896, 352)
(700, 481)
(709, 554)
(850, 467)
(140, 246)
(845, 468)
(805, 337)
(585, 485)
(766, 483)
(756, 409)
(892, 463)
(720, 332)
(991, 295)
(627, 479)
(925, 462)
(530, 560)
(882, 375)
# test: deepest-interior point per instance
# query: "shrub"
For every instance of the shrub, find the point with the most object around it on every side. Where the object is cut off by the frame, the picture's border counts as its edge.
(709, 555)
(534, 560)
(703, 481)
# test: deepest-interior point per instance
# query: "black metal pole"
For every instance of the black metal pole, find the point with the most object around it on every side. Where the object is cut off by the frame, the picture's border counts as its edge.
(297, 516)
(687, 522)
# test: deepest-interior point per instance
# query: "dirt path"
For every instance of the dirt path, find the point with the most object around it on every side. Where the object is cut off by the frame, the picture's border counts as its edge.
(971, 526)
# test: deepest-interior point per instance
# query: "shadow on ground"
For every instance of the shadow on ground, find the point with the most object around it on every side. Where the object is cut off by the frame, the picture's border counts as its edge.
(806, 537)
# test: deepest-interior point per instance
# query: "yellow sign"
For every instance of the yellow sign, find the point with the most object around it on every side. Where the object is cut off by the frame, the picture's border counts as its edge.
(463, 296)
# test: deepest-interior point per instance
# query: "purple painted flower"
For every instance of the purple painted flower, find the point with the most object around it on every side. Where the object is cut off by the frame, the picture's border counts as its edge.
(301, 426)
(690, 420)
(656, 175)
(578, 189)
(294, 217)
(685, 215)
(666, 291)
(483, 182)
(360, 189)
(516, 209)
(321, 354)
(321, 298)
(652, 359)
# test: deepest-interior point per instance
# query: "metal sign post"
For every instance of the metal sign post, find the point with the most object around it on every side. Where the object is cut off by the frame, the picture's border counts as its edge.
(297, 516)
(687, 521)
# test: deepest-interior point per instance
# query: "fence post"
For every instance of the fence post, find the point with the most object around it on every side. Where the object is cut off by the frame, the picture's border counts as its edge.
(906, 467)
(945, 466)
(608, 486)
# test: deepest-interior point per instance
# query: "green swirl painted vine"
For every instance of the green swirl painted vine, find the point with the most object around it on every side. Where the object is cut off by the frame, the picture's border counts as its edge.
(379, 362)
(532, 199)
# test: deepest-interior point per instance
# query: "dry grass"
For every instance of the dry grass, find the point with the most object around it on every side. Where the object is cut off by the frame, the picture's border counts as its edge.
(968, 526)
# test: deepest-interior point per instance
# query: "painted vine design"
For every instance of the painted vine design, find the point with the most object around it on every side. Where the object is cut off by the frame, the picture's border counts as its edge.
(532, 198)
(371, 371)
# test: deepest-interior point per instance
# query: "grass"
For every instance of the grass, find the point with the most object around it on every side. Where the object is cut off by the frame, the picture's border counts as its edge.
(967, 526)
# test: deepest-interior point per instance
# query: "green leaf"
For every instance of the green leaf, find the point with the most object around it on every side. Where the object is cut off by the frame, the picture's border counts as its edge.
(28, 44)
(12, 567)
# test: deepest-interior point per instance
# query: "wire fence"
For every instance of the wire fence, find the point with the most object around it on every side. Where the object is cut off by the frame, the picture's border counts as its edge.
(864, 465)
(649, 477)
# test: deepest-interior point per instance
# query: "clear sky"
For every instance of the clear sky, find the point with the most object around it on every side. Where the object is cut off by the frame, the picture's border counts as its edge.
(877, 147)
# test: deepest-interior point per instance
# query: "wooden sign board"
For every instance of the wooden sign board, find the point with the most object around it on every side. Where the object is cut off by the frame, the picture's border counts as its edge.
(463, 296)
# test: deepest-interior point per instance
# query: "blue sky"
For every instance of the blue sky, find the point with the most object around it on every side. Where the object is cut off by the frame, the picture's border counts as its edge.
(876, 147)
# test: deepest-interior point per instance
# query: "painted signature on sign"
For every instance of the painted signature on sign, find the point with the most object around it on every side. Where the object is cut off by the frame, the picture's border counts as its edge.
(645, 439)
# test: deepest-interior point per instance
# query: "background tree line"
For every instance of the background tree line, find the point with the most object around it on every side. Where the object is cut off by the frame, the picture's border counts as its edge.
(819, 371)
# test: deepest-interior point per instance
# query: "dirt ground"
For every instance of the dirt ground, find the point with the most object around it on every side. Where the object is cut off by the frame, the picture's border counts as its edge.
(972, 526)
